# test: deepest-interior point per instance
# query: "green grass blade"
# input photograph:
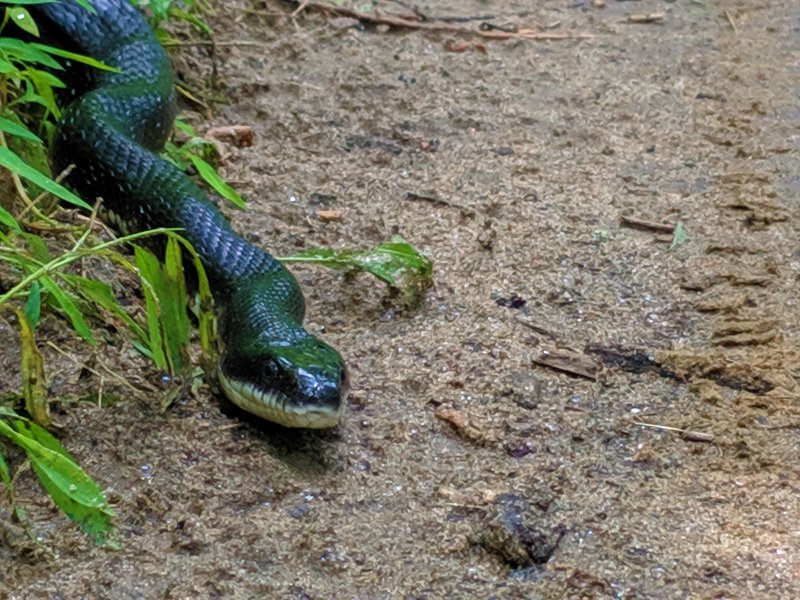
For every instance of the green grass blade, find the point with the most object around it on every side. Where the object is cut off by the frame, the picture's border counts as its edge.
(33, 305)
(149, 272)
(22, 19)
(205, 313)
(101, 295)
(206, 317)
(38, 248)
(396, 263)
(198, 23)
(9, 126)
(174, 318)
(86, 60)
(24, 52)
(11, 161)
(5, 475)
(69, 486)
(7, 219)
(65, 302)
(210, 176)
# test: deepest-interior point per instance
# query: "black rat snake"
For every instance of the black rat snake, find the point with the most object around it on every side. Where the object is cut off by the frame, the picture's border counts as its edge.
(270, 366)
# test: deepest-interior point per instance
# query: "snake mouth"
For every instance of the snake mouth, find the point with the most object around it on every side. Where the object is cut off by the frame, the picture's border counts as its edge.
(276, 406)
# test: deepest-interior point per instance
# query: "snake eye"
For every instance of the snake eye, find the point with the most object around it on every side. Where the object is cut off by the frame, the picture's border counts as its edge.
(269, 370)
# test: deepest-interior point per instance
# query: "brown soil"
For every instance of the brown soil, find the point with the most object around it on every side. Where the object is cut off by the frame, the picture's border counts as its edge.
(577, 410)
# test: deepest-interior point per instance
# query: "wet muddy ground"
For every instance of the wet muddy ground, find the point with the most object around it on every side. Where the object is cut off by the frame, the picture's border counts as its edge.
(587, 404)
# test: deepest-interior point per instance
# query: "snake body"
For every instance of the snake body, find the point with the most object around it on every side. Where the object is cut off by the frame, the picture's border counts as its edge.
(111, 132)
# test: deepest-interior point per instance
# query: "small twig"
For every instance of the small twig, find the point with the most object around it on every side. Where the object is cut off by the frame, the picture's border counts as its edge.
(114, 375)
(655, 17)
(464, 19)
(90, 226)
(686, 434)
(300, 8)
(642, 225)
(235, 43)
(394, 20)
(425, 198)
(537, 328)
(186, 93)
(36, 201)
(486, 26)
(731, 21)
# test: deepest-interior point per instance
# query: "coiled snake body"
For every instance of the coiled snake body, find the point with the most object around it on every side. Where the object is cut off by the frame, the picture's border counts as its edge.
(270, 366)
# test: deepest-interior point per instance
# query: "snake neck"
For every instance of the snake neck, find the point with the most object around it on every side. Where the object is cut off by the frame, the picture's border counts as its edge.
(111, 133)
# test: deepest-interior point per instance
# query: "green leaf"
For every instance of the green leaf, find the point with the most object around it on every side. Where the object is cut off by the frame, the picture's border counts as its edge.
(8, 484)
(6, 67)
(679, 236)
(7, 219)
(33, 305)
(149, 272)
(38, 248)
(102, 295)
(397, 263)
(206, 317)
(80, 58)
(28, 147)
(28, 53)
(13, 128)
(204, 308)
(143, 349)
(67, 304)
(198, 23)
(174, 316)
(185, 127)
(5, 474)
(32, 97)
(174, 155)
(22, 19)
(14, 163)
(44, 83)
(208, 173)
(159, 8)
(69, 486)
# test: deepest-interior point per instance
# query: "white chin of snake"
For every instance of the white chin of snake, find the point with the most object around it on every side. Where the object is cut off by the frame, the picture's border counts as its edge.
(272, 406)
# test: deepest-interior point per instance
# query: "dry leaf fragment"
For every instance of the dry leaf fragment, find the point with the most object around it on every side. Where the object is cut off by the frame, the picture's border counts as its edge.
(459, 421)
(240, 136)
(654, 17)
(464, 45)
(567, 362)
(329, 215)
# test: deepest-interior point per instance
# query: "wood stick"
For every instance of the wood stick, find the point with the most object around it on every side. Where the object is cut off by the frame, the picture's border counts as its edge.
(406, 22)
(642, 225)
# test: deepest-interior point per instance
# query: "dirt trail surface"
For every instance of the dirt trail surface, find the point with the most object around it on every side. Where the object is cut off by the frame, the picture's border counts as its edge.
(588, 403)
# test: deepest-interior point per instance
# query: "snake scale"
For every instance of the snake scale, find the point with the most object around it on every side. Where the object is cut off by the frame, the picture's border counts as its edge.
(112, 132)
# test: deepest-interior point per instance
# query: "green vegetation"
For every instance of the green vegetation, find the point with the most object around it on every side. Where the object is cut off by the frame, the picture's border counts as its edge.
(42, 258)
(397, 263)
(163, 11)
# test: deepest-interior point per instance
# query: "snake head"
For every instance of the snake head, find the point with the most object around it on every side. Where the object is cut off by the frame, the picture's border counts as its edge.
(302, 383)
